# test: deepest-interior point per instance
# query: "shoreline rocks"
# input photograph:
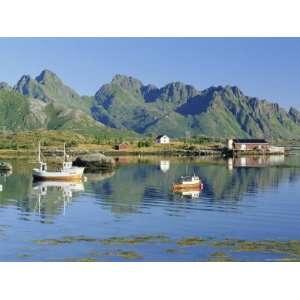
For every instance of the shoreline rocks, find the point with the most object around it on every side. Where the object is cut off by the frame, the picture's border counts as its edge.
(5, 166)
(95, 162)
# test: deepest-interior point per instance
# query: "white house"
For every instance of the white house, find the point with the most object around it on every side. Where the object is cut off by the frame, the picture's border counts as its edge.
(163, 139)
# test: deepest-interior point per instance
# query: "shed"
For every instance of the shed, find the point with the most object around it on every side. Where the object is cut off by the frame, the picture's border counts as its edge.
(123, 146)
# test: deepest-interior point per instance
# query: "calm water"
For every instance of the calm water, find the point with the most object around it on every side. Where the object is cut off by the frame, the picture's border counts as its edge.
(131, 214)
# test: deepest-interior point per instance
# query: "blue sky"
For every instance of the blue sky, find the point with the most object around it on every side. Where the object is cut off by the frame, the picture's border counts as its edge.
(263, 67)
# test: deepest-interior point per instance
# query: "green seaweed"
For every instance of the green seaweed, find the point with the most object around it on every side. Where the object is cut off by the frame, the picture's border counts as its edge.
(125, 254)
(220, 257)
(291, 247)
(175, 251)
(192, 241)
(135, 239)
(289, 259)
(24, 255)
(109, 241)
(87, 259)
(65, 240)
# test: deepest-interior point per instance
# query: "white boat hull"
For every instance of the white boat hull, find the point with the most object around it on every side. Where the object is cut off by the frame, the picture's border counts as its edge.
(74, 173)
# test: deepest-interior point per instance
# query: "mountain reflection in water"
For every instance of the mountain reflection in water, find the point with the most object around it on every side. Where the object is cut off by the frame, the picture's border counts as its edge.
(251, 197)
(149, 179)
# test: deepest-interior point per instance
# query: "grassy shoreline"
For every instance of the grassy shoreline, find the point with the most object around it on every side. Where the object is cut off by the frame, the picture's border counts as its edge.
(24, 144)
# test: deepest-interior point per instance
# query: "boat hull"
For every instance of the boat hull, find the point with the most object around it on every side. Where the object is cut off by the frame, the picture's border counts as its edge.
(186, 187)
(56, 178)
(71, 175)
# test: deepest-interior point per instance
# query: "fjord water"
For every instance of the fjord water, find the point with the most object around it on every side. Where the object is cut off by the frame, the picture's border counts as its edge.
(132, 214)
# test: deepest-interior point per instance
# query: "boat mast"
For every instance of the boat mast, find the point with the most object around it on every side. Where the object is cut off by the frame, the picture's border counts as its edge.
(39, 154)
(64, 152)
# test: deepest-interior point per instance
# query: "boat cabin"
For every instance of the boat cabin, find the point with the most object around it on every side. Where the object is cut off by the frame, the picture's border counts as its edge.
(43, 166)
(67, 165)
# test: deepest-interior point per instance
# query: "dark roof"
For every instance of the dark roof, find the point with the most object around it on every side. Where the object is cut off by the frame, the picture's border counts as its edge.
(250, 141)
(160, 136)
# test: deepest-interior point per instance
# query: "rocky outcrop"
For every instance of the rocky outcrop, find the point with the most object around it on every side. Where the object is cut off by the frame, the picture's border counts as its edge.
(95, 162)
(5, 166)
(5, 86)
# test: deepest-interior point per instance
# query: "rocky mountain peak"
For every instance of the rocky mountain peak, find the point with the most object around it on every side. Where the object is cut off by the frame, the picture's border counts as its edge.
(176, 91)
(47, 75)
(127, 82)
(294, 114)
(24, 79)
(234, 90)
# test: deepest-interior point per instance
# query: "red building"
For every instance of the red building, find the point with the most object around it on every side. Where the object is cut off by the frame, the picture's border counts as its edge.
(248, 145)
(122, 147)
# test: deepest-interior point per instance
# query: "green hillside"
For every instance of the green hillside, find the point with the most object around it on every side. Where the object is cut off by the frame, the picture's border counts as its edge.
(15, 112)
(179, 110)
(19, 113)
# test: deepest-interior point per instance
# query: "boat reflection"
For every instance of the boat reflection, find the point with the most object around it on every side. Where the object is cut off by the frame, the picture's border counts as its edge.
(5, 173)
(189, 194)
(61, 190)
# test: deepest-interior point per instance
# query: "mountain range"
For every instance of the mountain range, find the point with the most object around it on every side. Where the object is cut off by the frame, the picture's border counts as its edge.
(127, 105)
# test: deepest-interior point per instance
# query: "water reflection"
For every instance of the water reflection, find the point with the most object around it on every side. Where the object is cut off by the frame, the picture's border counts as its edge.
(164, 165)
(5, 173)
(190, 194)
(254, 161)
(245, 203)
(137, 186)
(67, 188)
(55, 193)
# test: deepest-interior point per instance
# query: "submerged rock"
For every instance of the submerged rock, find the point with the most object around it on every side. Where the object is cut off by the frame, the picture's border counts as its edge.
(95, 162)
(5, 166)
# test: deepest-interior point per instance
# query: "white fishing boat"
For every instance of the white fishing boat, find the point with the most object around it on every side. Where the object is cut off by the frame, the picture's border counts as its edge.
(67, 172)
(188, 182)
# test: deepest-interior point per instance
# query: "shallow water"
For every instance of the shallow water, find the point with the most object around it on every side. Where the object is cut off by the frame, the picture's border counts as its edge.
(132, 214)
